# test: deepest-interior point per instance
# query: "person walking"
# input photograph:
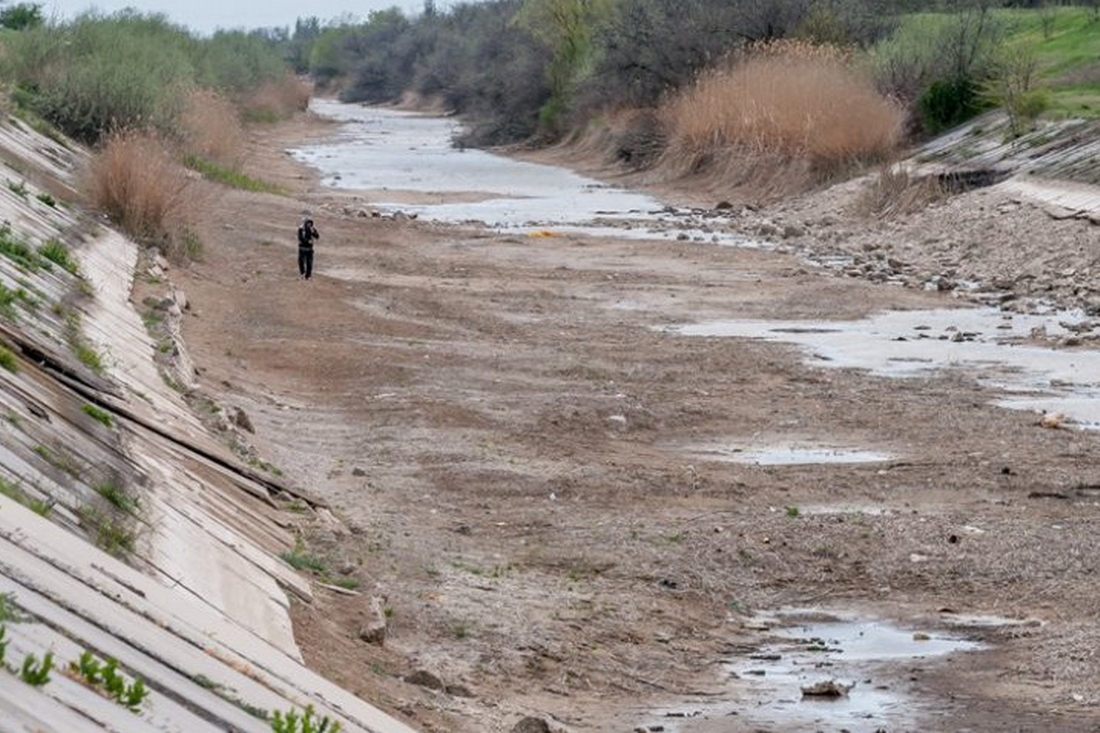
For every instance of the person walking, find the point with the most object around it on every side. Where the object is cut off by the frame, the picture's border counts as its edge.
(306, 234)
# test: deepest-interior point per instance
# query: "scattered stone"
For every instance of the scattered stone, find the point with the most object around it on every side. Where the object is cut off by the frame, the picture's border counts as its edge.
(827, 688)
(424, 678)
(374, 631)
(358, 472)
(459, 691)
(1052, 421)
(921, 636)
(531, 725)
(241, 420)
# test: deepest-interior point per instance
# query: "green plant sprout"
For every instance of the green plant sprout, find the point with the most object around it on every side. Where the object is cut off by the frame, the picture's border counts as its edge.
(3, 643)
(293, 722)
(106, 676)
(35, 673)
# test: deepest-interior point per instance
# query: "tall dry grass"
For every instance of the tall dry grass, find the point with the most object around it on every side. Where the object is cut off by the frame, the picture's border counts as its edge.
(211, 128)
(277, 99)
(135, 179)
(895, 191)
(788, 101)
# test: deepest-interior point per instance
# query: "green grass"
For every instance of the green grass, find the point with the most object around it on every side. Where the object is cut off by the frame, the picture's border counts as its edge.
(229, 177)
(85, 352)
(8, 297)
(18, 251)
(89, 357)
(59, 460)
(16, 494)
(1068, 58)
(110, 534)
(55, 251)
(300, 559)
(262, 116)
(341, 581)
(99, 414)
(8, 360)
(9, 610)
(117, 497)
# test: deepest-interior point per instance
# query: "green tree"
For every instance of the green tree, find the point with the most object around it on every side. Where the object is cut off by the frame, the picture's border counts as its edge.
(21, 16)
(566, 29)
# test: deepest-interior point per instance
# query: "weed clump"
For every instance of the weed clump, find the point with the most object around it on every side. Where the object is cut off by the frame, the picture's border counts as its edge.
(136, 181)
(276, 99)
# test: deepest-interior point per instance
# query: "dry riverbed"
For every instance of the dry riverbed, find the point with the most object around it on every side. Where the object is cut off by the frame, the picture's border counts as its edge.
(565, 508)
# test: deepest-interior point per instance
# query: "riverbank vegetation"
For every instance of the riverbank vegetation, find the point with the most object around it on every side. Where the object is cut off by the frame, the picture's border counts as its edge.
(148, 97)
(732, 89)
(698, 83)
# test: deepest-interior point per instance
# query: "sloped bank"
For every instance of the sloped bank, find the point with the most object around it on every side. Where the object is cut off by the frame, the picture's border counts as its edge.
(128, 531)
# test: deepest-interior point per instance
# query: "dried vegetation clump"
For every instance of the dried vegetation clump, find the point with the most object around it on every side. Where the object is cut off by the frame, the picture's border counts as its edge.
(137, 182)
(211, 128)
(806, 109)
(277, 99)
(895, 191)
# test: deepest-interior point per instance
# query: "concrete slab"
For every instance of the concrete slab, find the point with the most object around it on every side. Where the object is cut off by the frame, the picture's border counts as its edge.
(102, 604)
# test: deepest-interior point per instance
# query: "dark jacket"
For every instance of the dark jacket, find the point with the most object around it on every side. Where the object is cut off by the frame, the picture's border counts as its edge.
(306, 235)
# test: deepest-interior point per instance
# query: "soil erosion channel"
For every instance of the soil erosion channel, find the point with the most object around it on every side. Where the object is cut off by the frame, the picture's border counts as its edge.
(601, 465)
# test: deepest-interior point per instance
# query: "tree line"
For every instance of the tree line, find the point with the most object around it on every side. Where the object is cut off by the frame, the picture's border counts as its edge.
(521, 68)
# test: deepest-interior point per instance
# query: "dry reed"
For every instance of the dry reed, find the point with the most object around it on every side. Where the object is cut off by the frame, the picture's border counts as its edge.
(135, 180)
(791, 101)
(896, 192)
(212, 128)
(278, 99)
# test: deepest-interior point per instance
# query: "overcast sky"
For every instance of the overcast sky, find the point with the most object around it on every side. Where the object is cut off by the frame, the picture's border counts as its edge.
(206, 16)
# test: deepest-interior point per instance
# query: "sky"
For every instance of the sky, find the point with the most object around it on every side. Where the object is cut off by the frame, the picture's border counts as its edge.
(206, 16)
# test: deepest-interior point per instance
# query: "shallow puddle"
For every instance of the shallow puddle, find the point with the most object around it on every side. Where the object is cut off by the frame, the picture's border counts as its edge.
(848, 655)
(982, 341)
(793, 455)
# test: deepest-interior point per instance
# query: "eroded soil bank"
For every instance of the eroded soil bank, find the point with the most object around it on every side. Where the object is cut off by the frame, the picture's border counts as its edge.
(534, 469)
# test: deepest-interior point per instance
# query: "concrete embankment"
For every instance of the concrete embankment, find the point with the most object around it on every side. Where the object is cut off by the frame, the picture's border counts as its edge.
(128, 531)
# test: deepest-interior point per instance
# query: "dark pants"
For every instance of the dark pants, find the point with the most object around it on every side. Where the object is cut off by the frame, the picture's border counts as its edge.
(305, 262)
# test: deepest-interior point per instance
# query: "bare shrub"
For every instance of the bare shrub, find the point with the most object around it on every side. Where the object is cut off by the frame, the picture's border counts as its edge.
(211, 128)
(784, 101)
(278, 99)
(896, 192)
(135, 180)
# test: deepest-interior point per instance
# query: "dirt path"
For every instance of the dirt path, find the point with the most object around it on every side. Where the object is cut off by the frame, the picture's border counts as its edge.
(519, 451)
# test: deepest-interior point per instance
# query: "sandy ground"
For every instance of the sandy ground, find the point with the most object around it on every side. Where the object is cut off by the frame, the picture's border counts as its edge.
(517, 450)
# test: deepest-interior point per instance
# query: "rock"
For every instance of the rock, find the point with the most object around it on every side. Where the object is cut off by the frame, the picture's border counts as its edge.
(242, 421)
(531, 725)
(1052, 421)
(374, 632)
(827, 688)
(459, 691)
(358, 472)
(424, 678)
